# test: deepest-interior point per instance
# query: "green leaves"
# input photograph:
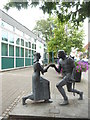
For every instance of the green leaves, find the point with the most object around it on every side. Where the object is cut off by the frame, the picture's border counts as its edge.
(44, 28)
(48, 7)
(66, 10)
(16, 4)
(73, 38)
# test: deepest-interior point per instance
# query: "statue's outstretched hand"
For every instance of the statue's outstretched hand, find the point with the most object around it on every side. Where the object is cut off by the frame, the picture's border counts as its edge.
(50, 65)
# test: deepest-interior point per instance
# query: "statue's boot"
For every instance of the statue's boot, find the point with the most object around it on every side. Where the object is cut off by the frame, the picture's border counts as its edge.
(65, 102)
(81, 96)
(23, 101)
(27, 97)
(48, 101)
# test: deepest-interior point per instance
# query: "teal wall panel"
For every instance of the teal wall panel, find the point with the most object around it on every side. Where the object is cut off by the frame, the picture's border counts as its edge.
(19, 62)
(7, 62)
(27, 61)
(32, 61)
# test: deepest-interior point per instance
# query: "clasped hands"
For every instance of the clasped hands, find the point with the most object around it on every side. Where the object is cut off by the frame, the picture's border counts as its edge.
(52, 65)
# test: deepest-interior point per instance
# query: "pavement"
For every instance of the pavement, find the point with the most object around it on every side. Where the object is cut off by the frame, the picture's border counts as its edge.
(17, 83)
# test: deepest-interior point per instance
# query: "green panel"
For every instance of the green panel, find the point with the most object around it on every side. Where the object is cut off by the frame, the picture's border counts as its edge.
(4, 49)
(32, 61)
(26, 44)
(32, 46)
(29, 53)
(22, 52)
(19, 62)
(18, 41)
(22, 42)
(17, 51)
(26, 52)
(33, 52)
(27, 61)
(7, 62)
(11, 50)
(29, 44)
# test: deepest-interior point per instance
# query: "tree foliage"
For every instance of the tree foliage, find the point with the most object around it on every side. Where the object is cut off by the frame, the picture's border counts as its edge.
(44, 27)
(75, 11)
(65, 39)
(60, 35)
(16, 4)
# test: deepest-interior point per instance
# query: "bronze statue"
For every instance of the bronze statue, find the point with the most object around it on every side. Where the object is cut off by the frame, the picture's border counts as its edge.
(40, 86)
(68, 66)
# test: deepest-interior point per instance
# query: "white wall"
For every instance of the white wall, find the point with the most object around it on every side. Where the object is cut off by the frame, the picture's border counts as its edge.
(40, 49)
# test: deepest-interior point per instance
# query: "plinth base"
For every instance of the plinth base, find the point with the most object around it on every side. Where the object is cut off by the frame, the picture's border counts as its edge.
(51, 111)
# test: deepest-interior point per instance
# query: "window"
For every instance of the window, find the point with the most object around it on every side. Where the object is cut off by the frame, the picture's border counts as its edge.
(29, 44)
(22, 42)
(35, 46)
(17, 51)
(29, 53)
(22, 52)
(26, 44)
(11, 50)
(4, 35)
(33, 52)
(18, 41)
(11, 38)
(32, 46)
(4, 49)
(26, 53)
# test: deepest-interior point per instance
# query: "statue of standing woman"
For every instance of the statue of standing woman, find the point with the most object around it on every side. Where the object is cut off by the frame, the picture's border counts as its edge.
(40, 86)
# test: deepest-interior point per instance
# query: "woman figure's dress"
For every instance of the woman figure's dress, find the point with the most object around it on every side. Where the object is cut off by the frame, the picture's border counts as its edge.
(40, 86)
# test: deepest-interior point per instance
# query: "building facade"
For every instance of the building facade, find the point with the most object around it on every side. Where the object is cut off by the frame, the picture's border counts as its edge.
(17, 44)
